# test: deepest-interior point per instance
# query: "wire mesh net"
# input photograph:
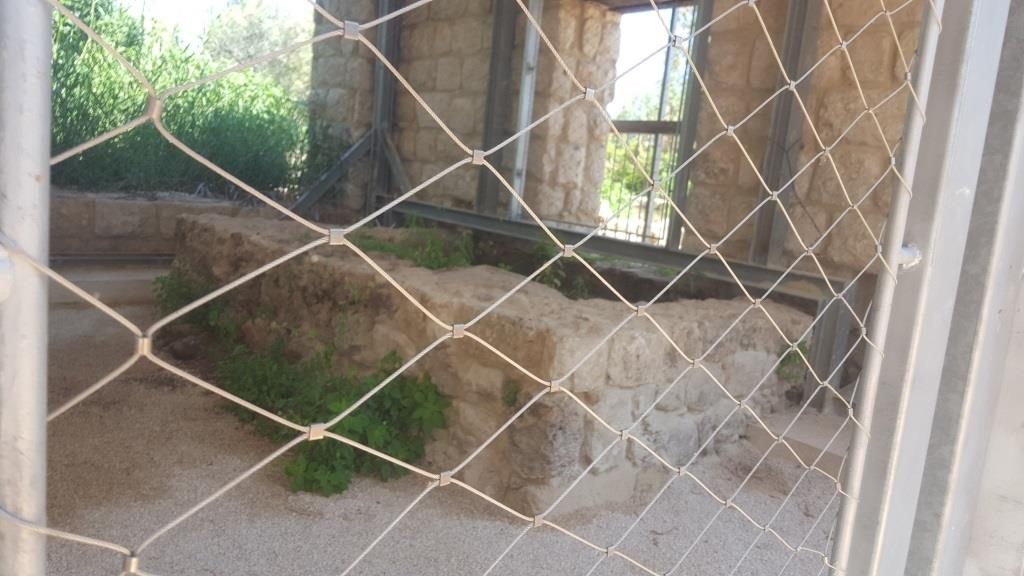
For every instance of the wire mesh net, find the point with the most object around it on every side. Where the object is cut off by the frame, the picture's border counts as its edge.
(726, 504)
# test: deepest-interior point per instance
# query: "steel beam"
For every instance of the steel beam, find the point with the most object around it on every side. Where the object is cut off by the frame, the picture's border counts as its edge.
(755, 278)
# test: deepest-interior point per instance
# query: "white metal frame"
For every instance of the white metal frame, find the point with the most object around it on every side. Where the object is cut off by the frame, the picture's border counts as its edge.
(956, 78)
(24, 218)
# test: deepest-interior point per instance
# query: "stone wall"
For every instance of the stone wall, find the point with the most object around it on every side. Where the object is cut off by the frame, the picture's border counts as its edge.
(445, 49)
(83, 223)
(742, 73)
(445, 56)
(309, 298)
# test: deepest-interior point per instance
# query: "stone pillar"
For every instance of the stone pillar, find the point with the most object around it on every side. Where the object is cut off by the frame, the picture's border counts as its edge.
(742, 73)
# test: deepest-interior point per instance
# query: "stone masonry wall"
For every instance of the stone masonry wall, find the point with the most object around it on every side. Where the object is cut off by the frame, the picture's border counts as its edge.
(742, 73)
(309, 298)
(445, 50)
(85, 223)
(445, 55)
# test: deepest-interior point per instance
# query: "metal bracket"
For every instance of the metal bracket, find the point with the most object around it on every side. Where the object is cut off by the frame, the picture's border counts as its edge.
(6, 274)
(909, 256)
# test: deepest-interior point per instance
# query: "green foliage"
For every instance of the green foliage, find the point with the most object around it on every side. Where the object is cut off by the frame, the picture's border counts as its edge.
(397, 420)
(791, 367)
(509, 394)
(556, 274)
(246, 29)
(424, 247)
(245, 122)
(179, 288)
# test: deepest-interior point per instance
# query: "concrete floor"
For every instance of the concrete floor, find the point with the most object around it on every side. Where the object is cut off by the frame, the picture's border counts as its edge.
(149, 446)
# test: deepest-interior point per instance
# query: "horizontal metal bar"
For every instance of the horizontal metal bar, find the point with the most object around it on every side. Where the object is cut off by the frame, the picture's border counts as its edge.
(755, 278)
(646, 126)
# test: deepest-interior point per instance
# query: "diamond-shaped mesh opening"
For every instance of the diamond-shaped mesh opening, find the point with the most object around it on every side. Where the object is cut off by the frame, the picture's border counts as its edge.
(610, 405)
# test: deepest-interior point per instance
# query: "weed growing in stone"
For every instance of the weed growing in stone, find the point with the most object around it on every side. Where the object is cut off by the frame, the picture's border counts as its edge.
(181, 287)
(397, 420)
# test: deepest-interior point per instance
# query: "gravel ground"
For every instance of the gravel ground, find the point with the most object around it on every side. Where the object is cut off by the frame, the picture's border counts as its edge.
(150, 446)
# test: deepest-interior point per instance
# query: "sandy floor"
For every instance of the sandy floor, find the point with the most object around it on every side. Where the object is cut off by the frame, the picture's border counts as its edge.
(149, 446)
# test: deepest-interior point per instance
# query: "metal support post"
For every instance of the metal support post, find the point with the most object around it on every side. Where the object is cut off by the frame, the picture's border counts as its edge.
(978, 348)
(524, 111)
(688, 124)
(954, 77)
(499, 98)
(24, 222)
(799, 53)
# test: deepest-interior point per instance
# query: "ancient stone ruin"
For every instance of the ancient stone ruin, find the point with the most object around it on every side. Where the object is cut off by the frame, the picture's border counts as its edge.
(545, 333)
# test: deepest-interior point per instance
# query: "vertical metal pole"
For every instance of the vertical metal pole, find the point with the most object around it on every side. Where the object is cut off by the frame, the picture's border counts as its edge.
(24, 219)
(955, 77)
(799, 52)
(383, 108)
(662, 103)
(499, 98)
(975, 362)
(524, 112)
(688, 124)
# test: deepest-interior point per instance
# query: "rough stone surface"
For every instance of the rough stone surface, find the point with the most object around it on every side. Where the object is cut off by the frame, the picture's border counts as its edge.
(445, 51)
(538, 328)
(97, 223)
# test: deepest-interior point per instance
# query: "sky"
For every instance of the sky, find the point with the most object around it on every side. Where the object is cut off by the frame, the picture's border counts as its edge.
(191, 17)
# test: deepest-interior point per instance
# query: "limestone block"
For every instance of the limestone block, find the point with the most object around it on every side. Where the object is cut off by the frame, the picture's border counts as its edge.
(168, 213)
(119, 217)
(765, 72)
(449, 74)
(730, 15)
(475, 72)
(462, 116)
(468, 35)
(675, 436)
(729, 58)
(840, 108)
(872, 55)
(71, 215)
(448, 9)
(810, 221)
(718, 164)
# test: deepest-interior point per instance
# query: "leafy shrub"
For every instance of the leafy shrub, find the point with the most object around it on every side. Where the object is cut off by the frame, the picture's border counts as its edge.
(179, 287)
(397, 420)
(246, 123)
(555, 275)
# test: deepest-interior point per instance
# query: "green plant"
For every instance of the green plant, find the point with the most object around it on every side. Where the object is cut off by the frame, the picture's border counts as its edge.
(791, 367)
(179, 288)
(424, 247)
(553, 275)
(245, 123)
(509, 394)
(397, 420)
